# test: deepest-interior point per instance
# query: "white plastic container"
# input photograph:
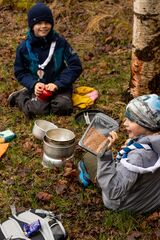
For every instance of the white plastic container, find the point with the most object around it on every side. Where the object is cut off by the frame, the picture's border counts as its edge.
(95, 138)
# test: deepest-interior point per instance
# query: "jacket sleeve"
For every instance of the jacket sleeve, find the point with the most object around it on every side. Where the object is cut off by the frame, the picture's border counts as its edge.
(115, 180)
(72, 70)
(21, 71)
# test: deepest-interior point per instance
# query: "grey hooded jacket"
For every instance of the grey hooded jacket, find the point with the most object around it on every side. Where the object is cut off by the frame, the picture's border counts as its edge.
(132, 185)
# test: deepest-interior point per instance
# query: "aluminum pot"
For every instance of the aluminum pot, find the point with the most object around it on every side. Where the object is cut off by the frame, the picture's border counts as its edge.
(58, 151)
(51, 162)
(40, 127)
(60, 136)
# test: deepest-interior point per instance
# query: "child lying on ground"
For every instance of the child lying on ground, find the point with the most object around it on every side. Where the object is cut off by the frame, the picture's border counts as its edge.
(132, 181)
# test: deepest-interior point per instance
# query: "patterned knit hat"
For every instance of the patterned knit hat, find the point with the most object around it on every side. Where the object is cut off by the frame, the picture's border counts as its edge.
(145, 110)
(39, 12)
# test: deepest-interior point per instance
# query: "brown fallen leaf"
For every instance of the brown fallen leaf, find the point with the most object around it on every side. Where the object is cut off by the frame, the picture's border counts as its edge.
(69, 172)
(157, 233)
(153, 217)
(44, 196)
(61, 187)
(88, 56)
(27, 146)
(38, 150)
(69, 164)
(134, 235)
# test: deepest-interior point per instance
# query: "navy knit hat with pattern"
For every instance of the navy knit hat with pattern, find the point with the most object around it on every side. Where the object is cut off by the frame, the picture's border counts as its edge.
(39, 12)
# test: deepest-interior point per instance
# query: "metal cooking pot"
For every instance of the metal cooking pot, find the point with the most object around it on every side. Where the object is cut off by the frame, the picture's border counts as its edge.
(51, 162)
(58, 151)
(60, 136)
(40, 127)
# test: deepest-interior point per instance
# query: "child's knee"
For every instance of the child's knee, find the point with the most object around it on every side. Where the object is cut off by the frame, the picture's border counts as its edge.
(62, 106)
(36, 107)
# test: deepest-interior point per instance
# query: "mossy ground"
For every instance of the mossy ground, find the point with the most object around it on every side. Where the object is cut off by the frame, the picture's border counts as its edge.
(101, 32)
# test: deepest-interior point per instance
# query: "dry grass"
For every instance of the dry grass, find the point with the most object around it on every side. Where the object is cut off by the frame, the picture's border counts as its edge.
(97, 30)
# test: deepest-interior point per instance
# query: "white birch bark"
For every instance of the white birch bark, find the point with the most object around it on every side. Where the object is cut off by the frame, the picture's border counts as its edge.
(145, 63)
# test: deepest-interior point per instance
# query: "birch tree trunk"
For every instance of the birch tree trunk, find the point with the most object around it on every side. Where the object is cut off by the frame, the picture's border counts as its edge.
(145, 63)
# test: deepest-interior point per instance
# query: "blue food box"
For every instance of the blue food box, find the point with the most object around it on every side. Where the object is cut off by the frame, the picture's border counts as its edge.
(7, 136)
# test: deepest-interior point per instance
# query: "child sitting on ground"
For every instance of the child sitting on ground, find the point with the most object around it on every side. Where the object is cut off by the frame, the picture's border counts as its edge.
(132, 181)
(46, 66)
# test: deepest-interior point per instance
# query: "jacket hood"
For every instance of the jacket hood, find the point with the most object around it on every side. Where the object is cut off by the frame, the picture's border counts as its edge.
(152, 141)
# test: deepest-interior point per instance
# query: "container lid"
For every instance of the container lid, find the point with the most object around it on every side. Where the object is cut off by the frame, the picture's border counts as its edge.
(95, 137)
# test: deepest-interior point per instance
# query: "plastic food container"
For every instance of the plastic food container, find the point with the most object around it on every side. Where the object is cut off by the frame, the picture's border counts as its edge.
(95, 138)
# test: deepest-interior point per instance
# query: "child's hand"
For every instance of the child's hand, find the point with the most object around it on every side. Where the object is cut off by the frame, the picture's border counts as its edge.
(51, 87)
(112, 138)
(38, 89)
(126, 142)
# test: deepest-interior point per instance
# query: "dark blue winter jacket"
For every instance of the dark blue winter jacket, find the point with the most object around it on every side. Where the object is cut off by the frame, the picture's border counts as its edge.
(63, 69)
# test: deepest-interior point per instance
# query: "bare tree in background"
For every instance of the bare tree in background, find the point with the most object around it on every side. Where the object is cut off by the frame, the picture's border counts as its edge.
(145, 63)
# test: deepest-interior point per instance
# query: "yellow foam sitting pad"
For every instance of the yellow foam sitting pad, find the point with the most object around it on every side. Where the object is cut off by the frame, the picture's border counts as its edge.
(80, 98)
(3, 148)
(83, 90)
(81, 101)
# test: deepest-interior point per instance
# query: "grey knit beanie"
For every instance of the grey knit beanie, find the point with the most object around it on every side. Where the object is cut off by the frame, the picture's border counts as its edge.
(145, 110)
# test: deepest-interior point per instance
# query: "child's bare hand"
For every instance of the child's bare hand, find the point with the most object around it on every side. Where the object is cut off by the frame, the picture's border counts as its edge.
(112, 138)
(51, 87)
(125, 144)
(38, 89)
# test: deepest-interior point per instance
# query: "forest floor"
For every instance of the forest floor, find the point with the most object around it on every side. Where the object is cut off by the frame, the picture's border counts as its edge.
(101, 33)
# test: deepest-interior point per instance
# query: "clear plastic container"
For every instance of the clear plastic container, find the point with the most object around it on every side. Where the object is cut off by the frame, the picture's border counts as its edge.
(95, 138)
